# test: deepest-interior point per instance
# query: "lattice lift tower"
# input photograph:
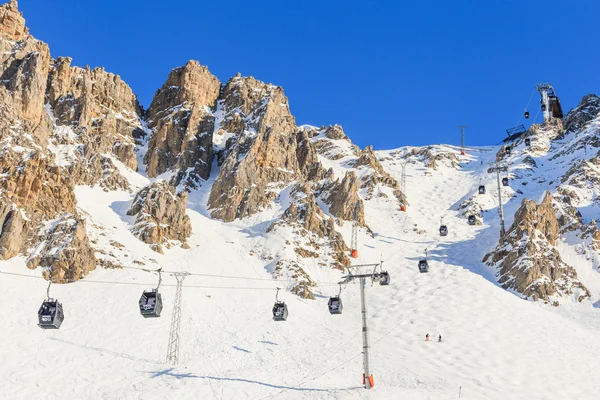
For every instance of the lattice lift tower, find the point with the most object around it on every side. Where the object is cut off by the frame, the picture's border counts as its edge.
(173, 348)
(354, 241)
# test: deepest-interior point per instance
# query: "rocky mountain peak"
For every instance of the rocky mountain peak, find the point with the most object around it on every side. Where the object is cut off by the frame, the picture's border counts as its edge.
(577, 118)
(527, 259)
(12, 23)
(182, 121)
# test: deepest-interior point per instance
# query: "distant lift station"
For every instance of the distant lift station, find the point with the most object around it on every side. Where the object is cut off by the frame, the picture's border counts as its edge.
(550, 104)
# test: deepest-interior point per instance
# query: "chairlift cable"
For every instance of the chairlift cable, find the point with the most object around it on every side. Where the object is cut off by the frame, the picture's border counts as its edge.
(146, 284)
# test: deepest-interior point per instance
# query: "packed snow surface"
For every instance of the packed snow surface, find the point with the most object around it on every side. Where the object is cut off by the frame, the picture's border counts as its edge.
(495, 346)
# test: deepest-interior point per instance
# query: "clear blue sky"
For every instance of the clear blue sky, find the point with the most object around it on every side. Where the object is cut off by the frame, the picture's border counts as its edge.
(392, 73)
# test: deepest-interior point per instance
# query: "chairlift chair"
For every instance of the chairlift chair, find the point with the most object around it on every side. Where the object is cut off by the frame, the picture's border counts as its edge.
(385, 278)
(151, 303)
(335, 305)
(481, 189)
(51, 314)
(443, 230)
(504, 181)
(280, 311)
(472, 220)
(423, 266)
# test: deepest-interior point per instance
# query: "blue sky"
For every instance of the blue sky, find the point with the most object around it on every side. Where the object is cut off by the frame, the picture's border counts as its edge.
(392, 73)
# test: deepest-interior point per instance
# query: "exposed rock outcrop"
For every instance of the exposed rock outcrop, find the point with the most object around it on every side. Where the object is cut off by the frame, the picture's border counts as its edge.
(182, 120)
(343, 198)
(160, 215)
(101, 108)
(527, 259)
(66, 250)
(431, 156)
(577, 118)
(12, 23)
(316, 237)
(261, 155)
(368, 159)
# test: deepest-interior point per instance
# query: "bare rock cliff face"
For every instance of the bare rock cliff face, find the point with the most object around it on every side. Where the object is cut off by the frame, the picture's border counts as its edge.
(368, 159)
(316, 237)
(160, 215)
(12, 24)
(65, 250)
(527, 259)
(99, 106)
(343, 198)
(587, 110)
(261, 155)
(182, 120)
(59, 126)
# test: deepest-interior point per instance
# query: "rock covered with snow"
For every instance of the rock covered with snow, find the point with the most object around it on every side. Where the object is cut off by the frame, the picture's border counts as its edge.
(160, 215)
(342, 198)
(261, 155)
(368, 159)
(182, 121)
(101, 109)
(527, 259)
(65, 250)
(587, 110)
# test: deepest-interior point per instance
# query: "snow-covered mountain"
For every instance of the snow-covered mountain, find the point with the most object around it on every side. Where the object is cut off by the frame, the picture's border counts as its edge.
(218, 181)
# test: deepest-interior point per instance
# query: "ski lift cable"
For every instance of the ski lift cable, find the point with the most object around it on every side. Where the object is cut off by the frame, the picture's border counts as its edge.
(226, 276)
(150, 283)
(526, 107)
(328, 370)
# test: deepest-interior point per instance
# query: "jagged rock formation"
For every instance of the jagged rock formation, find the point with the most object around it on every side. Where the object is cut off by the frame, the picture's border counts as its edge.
(343, 198)
(587, 110)
(101, 108)
(160, 215)
(331, 142)
(527, 259)
(12, 24)
(59, 126)
(182, 122)
(65, 250)
(314, 233)
(431, 156)
(368, 159)
(261, 154)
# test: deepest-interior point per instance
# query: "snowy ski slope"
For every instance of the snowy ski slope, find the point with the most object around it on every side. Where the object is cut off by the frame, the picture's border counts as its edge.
(496, 345)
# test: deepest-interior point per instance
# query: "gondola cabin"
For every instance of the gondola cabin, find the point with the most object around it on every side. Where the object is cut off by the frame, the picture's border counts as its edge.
(507, 150)
(385, 279)
(526, 114)
(481, 189)
(51, 315)
(472, 220)
(443, 230)
(335, 305)
(151, 304)
(504, 181)
(280, 311)
(423, 266)
(527, 142)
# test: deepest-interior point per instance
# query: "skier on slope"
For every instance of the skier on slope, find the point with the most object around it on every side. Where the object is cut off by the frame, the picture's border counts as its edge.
(439, 338)
(427, 337)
